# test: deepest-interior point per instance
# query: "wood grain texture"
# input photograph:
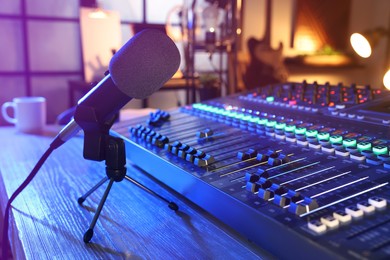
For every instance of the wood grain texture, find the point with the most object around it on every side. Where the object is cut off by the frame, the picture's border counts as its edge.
(47, 222)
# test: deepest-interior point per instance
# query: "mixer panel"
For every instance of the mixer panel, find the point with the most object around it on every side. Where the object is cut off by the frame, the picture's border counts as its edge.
(303, 167)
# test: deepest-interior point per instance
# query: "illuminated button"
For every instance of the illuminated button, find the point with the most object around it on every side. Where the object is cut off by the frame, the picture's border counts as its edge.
(280, 126)
(262, 121)
(300, 130)
(342, 216)
(317, 226)
(270, 99)
(354, 211)
(364, 146)
(311, 133)
(290, 128)
(254, 120)
(271, 123)
(379, 149)
(378, 202)
(324, 136)
(330, 221)
(366, 207)
(349, 142)
(336, 139)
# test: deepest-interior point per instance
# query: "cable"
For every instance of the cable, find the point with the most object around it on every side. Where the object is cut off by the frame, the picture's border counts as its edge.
(16, 193)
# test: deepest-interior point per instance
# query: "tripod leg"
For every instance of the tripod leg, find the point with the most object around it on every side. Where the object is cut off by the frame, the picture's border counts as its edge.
(100, 183)
(172, 205)
(89, 234)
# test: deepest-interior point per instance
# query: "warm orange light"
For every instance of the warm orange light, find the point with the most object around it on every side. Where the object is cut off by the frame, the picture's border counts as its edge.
(360, 45)
(306, 43)
(386, 80)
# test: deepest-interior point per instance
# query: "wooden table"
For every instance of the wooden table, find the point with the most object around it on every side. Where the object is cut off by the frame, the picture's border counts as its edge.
(46, 221)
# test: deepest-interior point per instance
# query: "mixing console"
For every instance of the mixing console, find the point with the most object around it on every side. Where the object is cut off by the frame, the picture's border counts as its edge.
(300, 169)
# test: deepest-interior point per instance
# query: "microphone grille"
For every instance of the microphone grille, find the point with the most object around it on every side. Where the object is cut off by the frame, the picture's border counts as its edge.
(142, 66)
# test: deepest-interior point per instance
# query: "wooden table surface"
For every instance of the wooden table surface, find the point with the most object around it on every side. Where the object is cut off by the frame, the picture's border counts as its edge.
(47, 222)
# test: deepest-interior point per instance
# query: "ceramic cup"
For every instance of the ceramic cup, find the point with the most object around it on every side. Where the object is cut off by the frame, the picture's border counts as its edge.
(29, 113)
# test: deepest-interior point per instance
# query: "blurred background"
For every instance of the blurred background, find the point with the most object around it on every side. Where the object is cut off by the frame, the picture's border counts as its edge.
(56, 48)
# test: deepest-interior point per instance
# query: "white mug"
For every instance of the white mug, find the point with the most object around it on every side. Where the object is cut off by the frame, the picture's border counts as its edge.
(29, 113)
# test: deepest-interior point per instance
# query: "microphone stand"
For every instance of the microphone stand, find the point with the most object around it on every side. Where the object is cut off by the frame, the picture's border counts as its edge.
(99, 145)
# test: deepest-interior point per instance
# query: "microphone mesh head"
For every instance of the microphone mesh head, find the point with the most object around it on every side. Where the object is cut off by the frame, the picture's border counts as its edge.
(142, 66)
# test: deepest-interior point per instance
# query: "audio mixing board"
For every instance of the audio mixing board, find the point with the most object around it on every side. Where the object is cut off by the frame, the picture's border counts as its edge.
(300, 169)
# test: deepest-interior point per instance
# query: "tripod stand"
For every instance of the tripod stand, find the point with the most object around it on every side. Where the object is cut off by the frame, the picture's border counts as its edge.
(116, 172)
(99, 145)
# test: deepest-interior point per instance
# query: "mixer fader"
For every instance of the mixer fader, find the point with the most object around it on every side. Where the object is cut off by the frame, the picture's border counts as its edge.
(300, 167)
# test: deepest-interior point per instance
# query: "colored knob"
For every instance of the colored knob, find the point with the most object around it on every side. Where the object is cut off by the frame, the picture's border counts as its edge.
(324, 136)
(336, 139)
(300, 130)
(380, 149)
(349, 142)
(290, 128)
(364, 146)
(311, 133)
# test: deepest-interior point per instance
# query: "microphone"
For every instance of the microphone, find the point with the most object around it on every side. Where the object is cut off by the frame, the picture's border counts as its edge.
(141, 67)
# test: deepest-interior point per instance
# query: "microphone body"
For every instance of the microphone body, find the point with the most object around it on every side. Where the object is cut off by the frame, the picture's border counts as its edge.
(137, 70)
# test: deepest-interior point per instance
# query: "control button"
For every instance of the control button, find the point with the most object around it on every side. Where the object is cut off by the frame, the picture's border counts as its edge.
(305, 206)
(252, 177)
(386, 165)
(342, 152)
(250, 153)
(312, 133)
(330, 221)
(290, 128)
(384, 157)
(380, 149)
(367, 153)
(351, 115)
(357, 156)
(336, 139)
(340, 106)
(252, 187)
(364, 146)
(291, 139)
(354, 211)
(205, 133)
(286, 199)
(342, 216)
(316, 226)
(300, 130)
(373, 161)
(315, 145)
(366, 207)
(327, 149)
(349, 143)
(377, 202)
(323, 136)
(302, 143)
(207, 160)
(268, 193)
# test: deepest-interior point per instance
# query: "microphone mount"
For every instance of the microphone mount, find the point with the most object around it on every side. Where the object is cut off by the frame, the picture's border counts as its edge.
(99, 145)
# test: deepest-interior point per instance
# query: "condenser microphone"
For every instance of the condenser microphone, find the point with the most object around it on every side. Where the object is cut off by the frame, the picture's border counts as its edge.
(137, 70)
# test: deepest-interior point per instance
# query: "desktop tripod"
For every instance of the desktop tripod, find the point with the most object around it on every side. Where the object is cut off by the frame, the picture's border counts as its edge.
(99, 145)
